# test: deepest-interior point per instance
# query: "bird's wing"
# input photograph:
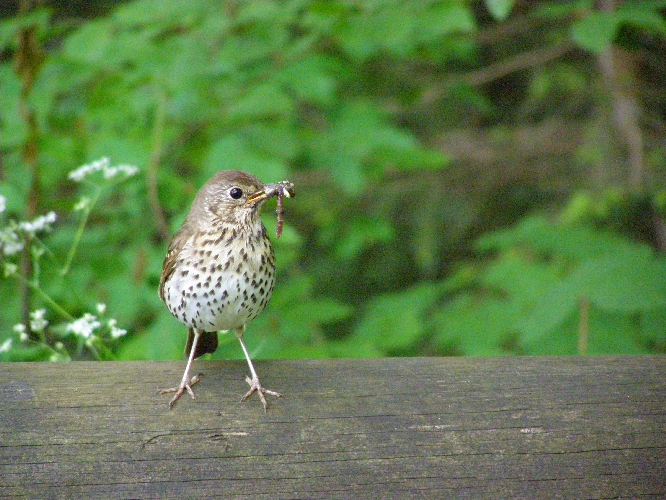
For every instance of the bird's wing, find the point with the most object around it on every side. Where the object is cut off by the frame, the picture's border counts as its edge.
(180, 239)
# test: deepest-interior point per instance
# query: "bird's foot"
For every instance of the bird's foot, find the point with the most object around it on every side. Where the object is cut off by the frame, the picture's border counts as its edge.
(185, 385)
(255, 386)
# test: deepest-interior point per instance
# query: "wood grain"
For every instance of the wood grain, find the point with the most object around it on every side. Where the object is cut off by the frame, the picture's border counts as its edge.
(580, 427)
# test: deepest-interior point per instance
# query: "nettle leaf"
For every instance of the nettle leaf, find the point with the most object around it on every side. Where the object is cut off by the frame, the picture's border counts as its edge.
(233, 152)
(91, 43)
(264, 100)
(312, 79)
(538, 233)
(596, 31)
(361, 144)
(396, 320)
(644, 15)
(160, 12)
(477, 325)
(521, 278)
(549, 312)
(499, 9)
(612, 333)
(630, 281)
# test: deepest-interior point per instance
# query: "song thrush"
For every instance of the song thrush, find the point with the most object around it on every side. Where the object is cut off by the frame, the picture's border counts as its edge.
(220, 268)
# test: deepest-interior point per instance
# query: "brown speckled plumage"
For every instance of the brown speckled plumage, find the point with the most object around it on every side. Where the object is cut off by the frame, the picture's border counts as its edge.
(219, 271)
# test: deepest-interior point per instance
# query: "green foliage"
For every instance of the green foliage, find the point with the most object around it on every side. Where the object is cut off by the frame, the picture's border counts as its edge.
(385, 115)
(597, 30)
(531, 294)
(527, 299)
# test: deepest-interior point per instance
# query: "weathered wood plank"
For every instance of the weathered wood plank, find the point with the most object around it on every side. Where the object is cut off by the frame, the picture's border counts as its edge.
(388, 428)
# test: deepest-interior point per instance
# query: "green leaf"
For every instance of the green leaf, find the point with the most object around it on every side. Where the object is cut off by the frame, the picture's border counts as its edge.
(477, 325)
(629, 282)
(499, 9)
(522, 279)
(263, 101)
(233, 152)
(572, 242)
(613, 334)
(311, 79)
(596, 31)
(549, 312)
(159, 12)
(91, 43)
(395, 320)
(644, 17)
(361, 234)
(163, 339)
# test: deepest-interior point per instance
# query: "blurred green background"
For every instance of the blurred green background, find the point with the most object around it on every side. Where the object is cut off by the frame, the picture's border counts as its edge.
(473, 178)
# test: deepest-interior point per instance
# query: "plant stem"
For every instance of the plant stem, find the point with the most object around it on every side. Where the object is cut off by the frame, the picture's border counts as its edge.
(79, 231)
(157, 140)
(583, 325)
(47, 298)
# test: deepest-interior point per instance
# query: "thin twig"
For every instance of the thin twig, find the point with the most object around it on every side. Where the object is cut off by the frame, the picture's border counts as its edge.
(583, 325)
(615, 68)
(153, 166)
(79, 232)
(500, 69)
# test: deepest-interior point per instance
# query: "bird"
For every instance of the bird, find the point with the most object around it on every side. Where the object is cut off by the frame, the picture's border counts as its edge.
(219, 270)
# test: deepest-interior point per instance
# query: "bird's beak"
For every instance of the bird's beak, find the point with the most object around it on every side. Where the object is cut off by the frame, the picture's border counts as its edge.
(271, 190)
(257, 197)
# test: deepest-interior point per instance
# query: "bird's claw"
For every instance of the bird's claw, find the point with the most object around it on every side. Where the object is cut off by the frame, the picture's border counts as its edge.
(255, 386)
(185, 385)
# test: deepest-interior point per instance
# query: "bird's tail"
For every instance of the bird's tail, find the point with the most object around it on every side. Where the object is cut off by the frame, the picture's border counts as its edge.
(207, 343)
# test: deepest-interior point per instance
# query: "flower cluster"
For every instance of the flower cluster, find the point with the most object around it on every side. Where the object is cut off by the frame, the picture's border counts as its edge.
(104, 166)
(13, 235)
(86, 326)
(37, 320)
(41, 223)
(89, 328)
(92, 331)
(10, 241)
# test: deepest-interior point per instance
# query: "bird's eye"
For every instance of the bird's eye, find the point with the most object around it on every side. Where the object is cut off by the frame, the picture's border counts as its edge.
(235, 193)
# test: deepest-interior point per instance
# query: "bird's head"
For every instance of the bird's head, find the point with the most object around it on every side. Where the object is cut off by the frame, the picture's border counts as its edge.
(232, 197)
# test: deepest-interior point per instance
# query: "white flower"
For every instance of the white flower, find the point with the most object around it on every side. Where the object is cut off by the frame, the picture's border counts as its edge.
(115, 331)
(101, 308)
(10, 241)
(84, 326)
(3, 203)
(39, 224)
(103, 165)
(82, 204)
(21, 330)
(10, 269)
(84, 171)
(6, 345)
(37, 321)
(128, 170)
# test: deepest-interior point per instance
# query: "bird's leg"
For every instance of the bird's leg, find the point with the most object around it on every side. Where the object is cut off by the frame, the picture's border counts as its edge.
(186, 383)
(255, 386)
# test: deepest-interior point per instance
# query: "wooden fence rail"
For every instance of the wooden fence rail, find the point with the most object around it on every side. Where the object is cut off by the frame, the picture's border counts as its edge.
(520, 427)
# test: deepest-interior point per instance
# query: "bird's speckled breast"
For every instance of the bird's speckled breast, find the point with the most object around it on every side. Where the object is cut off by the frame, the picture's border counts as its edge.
(223, 280)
